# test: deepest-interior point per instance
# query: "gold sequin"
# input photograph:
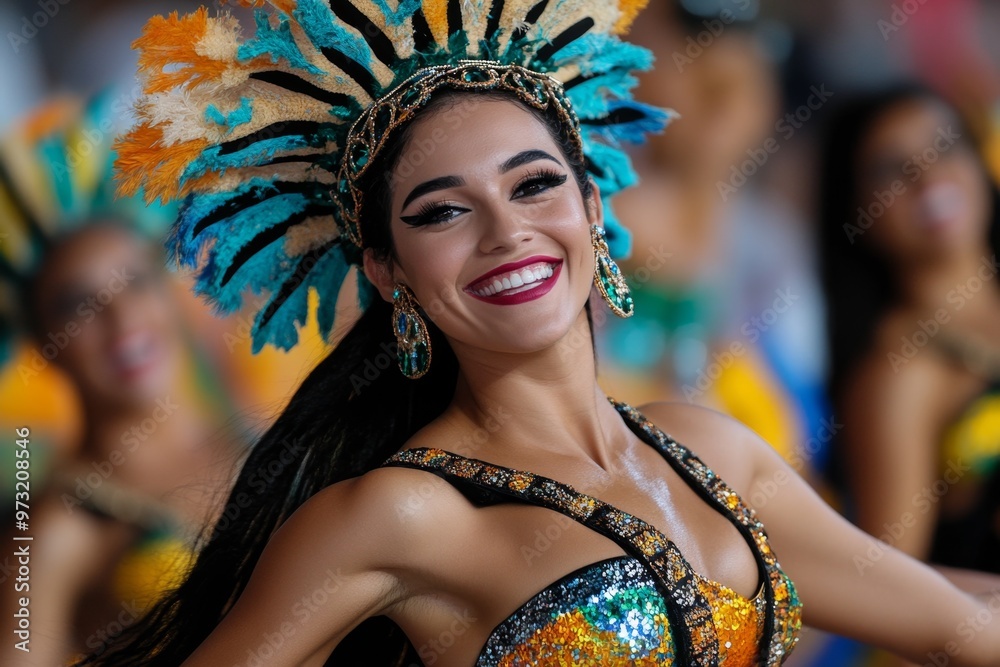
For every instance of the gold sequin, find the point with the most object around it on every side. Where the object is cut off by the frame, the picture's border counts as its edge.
(624, 620)
(520, 481)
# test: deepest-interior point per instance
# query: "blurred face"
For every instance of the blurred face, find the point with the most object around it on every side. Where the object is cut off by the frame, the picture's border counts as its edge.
(921, 184)
(106, 317)
(492, 233)
(725, 92)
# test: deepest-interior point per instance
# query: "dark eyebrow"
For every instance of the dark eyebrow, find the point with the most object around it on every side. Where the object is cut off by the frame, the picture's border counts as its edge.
(526, 157)
(433, 185)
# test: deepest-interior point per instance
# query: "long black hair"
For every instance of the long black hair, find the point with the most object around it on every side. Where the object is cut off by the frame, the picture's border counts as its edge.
(353, 411)
(857, 279)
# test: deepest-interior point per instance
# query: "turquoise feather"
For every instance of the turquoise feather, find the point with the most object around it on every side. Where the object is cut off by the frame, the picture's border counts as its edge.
(326, 31)
(240, 116)
(276, 43)
(397, 17)
(604, 60)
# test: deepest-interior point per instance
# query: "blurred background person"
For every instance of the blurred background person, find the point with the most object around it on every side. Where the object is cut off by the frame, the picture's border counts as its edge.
(728, 306)
(85, 47)
(707, 261)
(910, 240)
(113, 519)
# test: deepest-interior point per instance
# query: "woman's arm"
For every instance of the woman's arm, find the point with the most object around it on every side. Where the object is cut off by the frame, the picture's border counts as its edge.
(854, 585)
(891, 425)
(324, 571)
(849, 583)
(979, 584)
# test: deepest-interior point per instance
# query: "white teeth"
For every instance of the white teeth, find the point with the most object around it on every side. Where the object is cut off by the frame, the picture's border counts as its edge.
(134, 351)
(524, 277)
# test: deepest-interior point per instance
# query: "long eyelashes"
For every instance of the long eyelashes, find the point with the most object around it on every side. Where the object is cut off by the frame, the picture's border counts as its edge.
(537, 182)
(431, 213)
(440, 211)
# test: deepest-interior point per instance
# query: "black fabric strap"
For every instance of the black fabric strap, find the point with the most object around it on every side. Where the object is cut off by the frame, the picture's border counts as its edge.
(689, 613)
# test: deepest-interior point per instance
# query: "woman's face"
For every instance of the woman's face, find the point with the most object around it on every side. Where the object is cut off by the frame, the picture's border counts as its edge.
(922, 190)
(492, 233)
(106, 317)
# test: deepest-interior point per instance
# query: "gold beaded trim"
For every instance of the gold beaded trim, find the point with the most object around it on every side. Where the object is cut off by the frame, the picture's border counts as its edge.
(371, 131)
(784, 618)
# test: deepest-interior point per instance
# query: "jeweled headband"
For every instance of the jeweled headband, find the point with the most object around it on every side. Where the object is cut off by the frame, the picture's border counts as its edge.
(265, 138)
(379, 121)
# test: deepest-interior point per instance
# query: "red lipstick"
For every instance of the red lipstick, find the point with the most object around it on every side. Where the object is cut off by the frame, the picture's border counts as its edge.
(513, 266)
(536, 290)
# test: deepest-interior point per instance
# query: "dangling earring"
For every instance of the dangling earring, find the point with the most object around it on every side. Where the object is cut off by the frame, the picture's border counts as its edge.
(412, 337)
(608, 278)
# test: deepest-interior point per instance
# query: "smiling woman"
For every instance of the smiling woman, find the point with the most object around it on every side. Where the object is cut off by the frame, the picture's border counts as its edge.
(482, 238)
(498, 210)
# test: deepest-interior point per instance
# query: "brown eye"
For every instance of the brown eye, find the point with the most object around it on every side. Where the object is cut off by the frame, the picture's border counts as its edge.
(537, 183)
(433, 213)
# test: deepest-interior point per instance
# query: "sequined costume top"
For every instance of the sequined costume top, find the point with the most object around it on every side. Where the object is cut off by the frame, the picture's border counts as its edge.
(970, 461)
(648, 607)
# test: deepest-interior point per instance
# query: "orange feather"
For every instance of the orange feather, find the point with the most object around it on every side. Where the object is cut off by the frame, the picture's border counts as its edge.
(287, 6)
(436, 13)
(144, 162)
(173, 42)
(629, 9)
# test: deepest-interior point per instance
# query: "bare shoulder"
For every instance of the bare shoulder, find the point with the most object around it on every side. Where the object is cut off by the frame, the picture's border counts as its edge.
(726, 445)
(903, 352)
(70, 546)
(65, 528)
(901, 370)
(399, 512)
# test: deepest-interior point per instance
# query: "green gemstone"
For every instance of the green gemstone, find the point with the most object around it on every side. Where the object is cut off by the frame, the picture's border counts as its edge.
(359, 156)
(410, 98)
(414, 362)
(475, 76)
(620, 296)
(383, 118)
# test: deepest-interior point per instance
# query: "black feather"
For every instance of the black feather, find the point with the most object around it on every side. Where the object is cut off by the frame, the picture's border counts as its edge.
(267, 237)
(251, 198)
(530, 19)
(493, 23)
(297, 84)
(617, 117)
(454, 17)
(574, 32)
(380, 44)
(353, 69)
(289, 286)
(422, 37)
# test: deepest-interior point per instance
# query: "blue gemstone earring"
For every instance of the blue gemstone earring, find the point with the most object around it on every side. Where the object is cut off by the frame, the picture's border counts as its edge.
(608, 278)
(413, 339)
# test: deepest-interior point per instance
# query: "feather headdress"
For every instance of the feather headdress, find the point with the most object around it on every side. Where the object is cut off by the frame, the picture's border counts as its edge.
(253, 133)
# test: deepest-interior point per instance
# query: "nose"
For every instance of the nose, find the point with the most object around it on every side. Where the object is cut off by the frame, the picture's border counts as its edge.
(124, 312)
(503, 230)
